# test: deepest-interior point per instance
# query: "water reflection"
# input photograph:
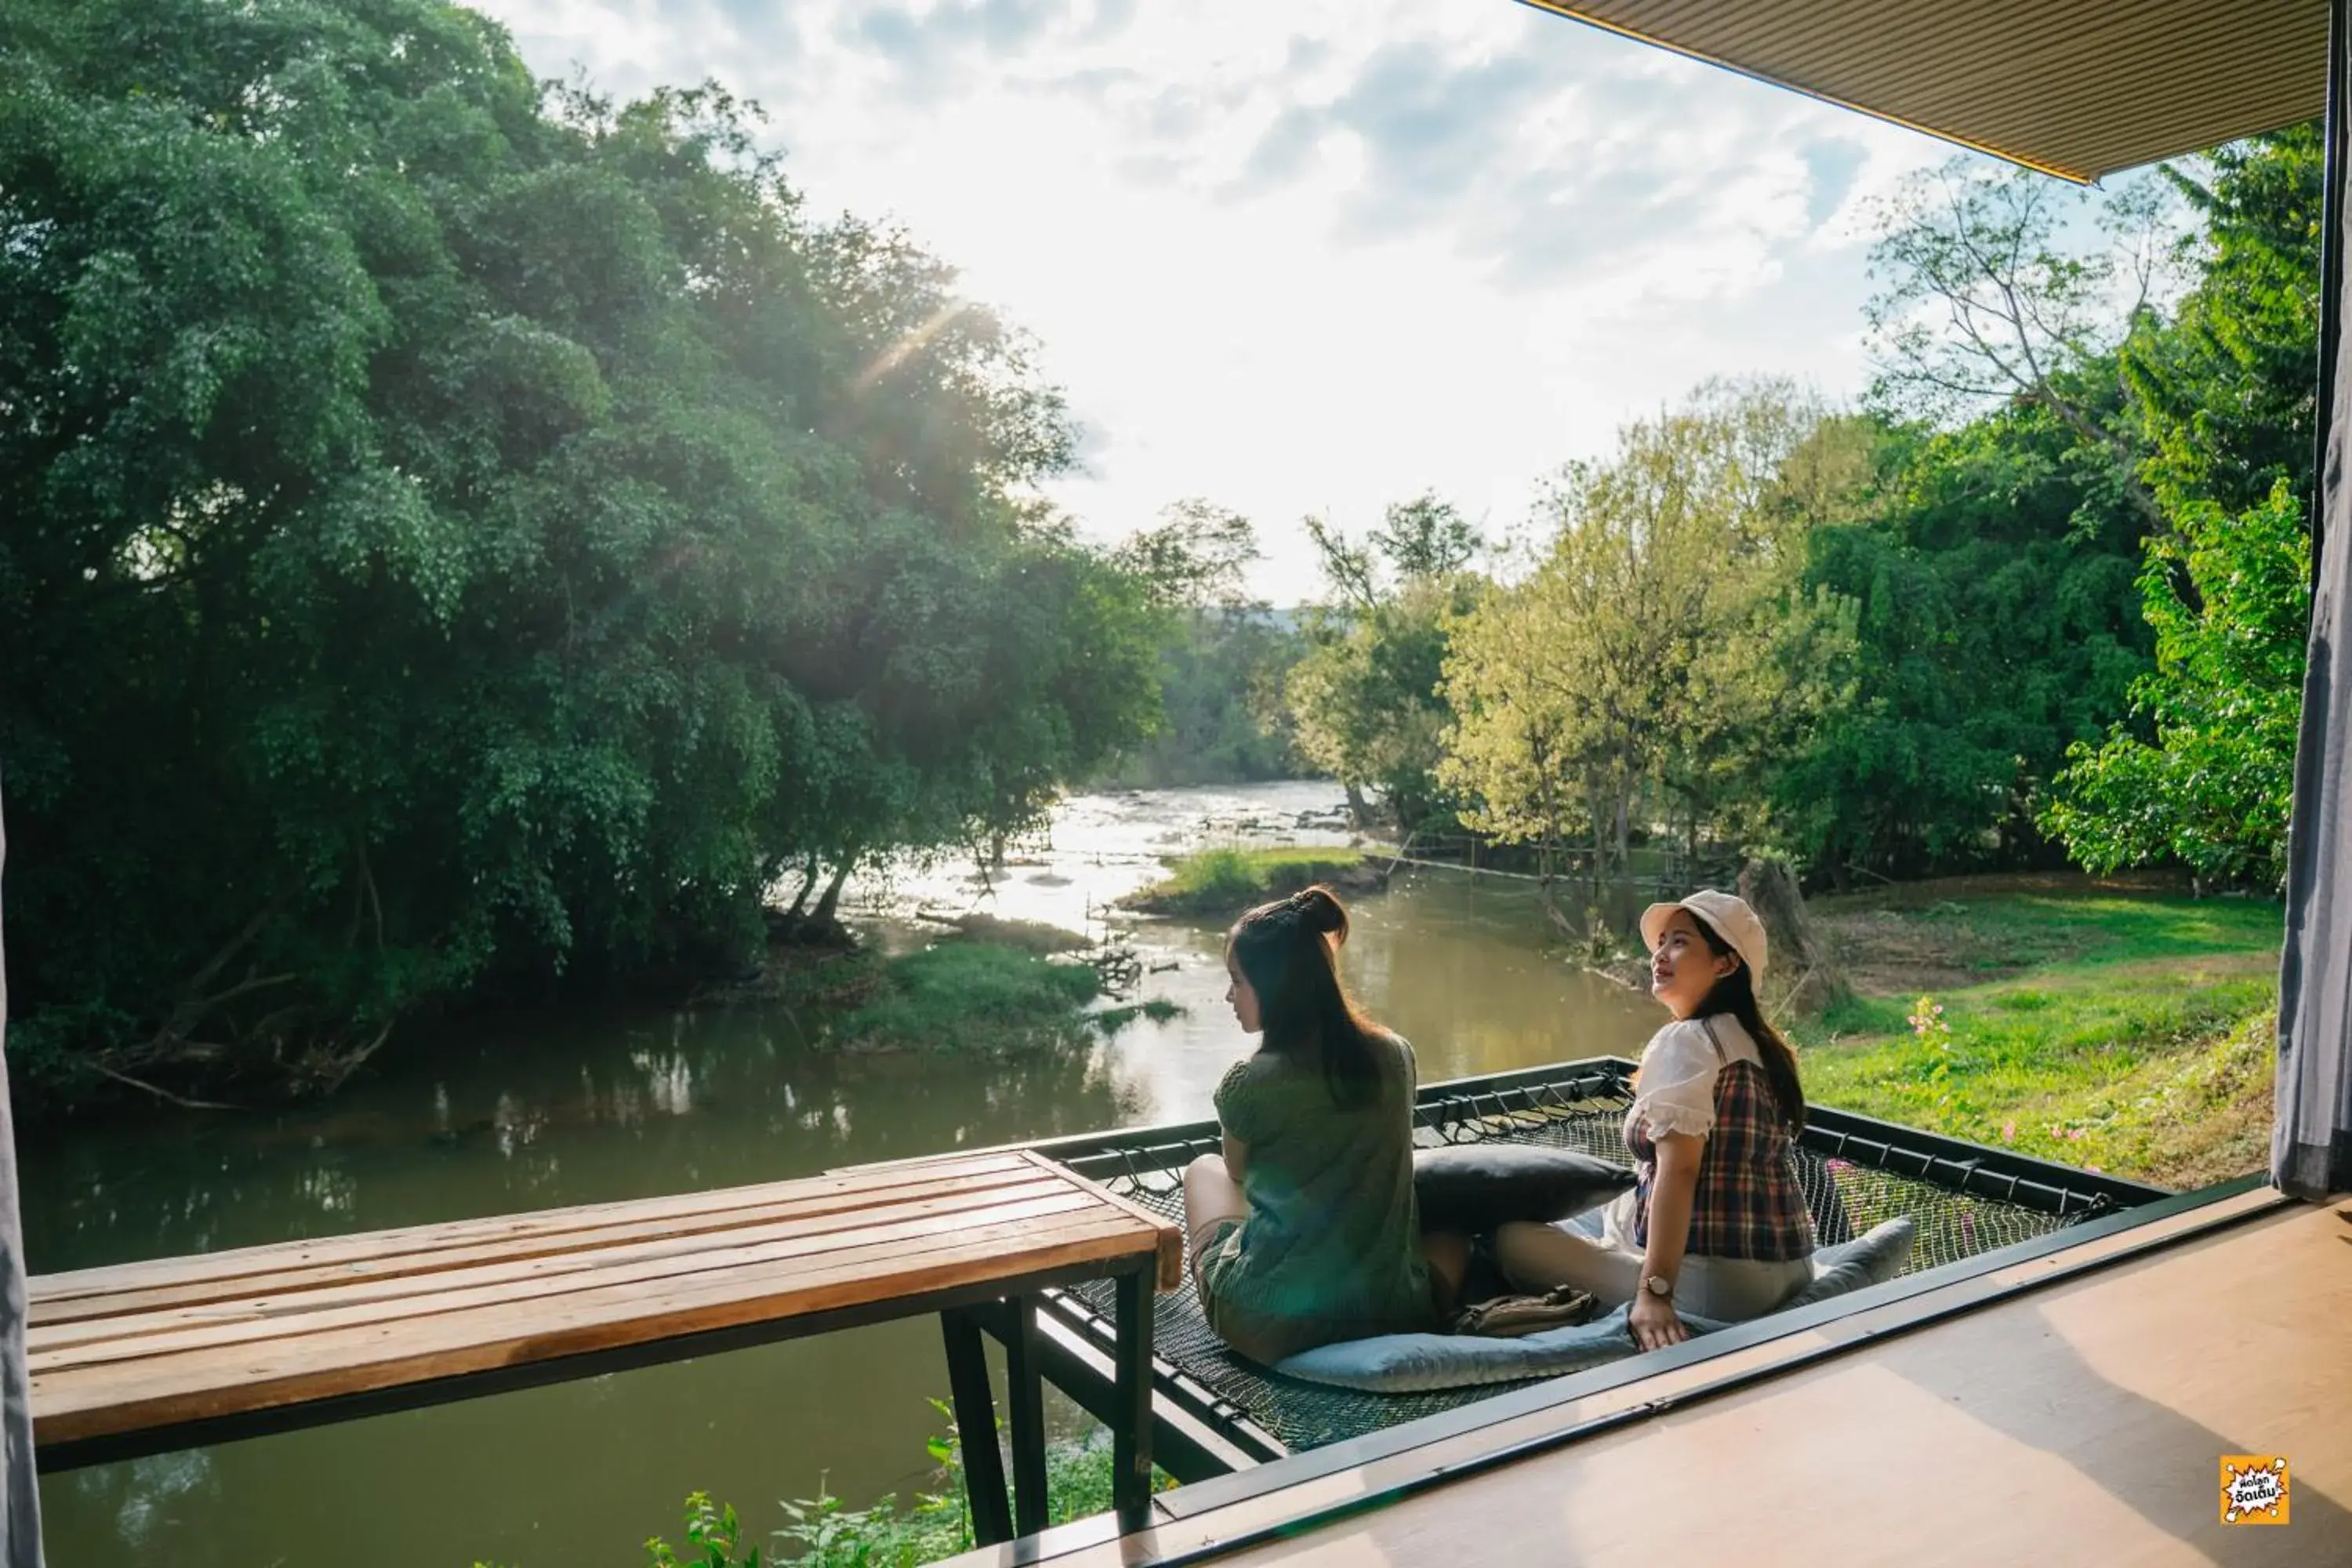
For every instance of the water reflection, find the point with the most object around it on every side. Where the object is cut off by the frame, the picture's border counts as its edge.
(536, 1109)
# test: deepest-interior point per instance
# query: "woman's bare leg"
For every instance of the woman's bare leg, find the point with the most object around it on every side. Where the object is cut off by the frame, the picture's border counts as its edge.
(1448, 1252)
(1540, 1257)
(1210, 1197)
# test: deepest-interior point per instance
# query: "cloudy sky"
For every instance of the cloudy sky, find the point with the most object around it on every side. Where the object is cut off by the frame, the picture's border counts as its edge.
(1308, 255)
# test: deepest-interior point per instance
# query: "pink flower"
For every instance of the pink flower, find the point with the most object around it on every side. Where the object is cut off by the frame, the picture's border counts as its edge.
(2008, 1132)
(2095, 1170)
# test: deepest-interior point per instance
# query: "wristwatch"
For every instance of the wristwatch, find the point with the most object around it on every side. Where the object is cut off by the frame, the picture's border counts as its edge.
(1658, 1285)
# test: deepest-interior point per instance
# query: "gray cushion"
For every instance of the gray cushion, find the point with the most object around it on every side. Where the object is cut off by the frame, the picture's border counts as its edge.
(1871, 1259)
(1474, 1187)
(1417, 1364)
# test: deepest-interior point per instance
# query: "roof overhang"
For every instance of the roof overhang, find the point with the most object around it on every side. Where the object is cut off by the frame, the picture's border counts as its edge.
(2077, 89)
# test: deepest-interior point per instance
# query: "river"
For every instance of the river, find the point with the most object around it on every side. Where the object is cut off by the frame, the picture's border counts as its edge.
(491, 1116)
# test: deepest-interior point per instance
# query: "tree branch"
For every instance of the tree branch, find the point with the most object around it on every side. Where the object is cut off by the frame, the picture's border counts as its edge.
(163, 1094)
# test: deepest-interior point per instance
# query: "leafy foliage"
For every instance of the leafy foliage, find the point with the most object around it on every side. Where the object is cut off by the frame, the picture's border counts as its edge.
(1368, 698)
(1225, 881)
(2052, 585)
(1667, 640)
(2212, 789)
(1996, 622)
(2202, 772)
(973, 996)
(822, 1531)
(461, 530)
(1223, 655)
(2185, 436)
(710, 1529)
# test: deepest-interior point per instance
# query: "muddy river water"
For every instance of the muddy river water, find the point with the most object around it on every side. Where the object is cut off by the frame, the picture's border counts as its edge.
(498, 1115)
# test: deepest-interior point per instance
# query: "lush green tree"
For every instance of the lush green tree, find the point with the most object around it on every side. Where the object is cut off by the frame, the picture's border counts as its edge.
(1222, 657)
(1194, 557)
(1223, 721)
(2200, 772)
(2227, 387)
(460, 531)
(1366, 700)
(1985, 294)
(2212, 788)
(1666, 652)
(1992, 570)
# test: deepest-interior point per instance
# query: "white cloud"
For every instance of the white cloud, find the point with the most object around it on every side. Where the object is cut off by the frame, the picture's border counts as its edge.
(1315, 257)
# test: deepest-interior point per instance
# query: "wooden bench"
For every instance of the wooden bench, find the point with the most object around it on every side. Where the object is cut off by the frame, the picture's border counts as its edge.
(178, 1353)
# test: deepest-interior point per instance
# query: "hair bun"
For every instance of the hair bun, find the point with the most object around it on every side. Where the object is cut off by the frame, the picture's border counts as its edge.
(1320, 909)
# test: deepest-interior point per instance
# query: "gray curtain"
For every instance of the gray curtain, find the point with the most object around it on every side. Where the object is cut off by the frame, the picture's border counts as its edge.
(2311, 1143)
(20, 1498)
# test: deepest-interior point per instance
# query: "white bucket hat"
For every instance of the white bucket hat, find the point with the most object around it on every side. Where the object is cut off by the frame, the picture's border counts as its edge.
(1726, 915)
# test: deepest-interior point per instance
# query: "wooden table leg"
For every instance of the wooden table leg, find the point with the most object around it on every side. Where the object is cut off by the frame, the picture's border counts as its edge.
(975, 1416)
(1025, 1391)
(1131, 1432)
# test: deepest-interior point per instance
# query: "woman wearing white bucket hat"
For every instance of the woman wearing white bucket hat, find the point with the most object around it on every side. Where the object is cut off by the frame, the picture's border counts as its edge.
(1716, 1224)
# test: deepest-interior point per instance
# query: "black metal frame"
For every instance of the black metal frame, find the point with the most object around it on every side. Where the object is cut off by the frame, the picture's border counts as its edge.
(1185, 1409)
(1974, 1169)
(1176, 1546)
(1200, 1433)
(1077, 1352)
(1561, 1391)
(962, 1310)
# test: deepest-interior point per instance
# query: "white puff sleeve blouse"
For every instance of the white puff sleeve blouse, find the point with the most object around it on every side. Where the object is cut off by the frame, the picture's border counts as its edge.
(1675, 1089)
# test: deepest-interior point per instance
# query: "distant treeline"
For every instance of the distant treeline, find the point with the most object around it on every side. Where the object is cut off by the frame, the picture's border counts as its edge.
(1223, 720)
(2043, 596)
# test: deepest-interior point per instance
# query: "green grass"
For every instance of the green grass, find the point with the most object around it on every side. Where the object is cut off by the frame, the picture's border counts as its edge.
(2127, 1032)
(1986, 936)
(956, 995)
(959, 995)
(1225, 881)
(973, 997)
(821, 1533)
(1158, 1009)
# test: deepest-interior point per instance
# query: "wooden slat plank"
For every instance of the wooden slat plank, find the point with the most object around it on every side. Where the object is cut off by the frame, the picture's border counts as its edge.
(157, 1391)
(684, 1254)
(540, 1280)
(735, 1227)
(1171, 1273)
(772, 1283)
(279, 1256)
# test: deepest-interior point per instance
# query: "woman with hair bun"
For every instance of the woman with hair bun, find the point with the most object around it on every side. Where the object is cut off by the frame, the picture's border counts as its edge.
(1715, 1222)
(1303, 1229)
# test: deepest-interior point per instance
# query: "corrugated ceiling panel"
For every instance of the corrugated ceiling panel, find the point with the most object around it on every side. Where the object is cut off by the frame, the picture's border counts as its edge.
(2079, 88)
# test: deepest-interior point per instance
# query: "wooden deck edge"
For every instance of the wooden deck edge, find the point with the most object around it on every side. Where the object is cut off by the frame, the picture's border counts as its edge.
(1307, 1491)
(1171, 1266)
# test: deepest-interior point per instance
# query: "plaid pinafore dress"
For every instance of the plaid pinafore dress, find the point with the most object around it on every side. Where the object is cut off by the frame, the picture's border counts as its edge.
(1748, 1203)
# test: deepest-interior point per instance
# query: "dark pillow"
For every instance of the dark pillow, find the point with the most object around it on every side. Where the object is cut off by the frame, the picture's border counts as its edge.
(1475, 1187)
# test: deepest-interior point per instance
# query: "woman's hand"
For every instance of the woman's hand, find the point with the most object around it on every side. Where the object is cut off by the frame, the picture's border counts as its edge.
(1654, 1322)
(1672, 1192)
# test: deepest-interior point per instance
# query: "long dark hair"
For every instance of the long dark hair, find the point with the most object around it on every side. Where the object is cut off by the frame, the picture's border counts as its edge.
(1288, 952)
(1735, 993)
